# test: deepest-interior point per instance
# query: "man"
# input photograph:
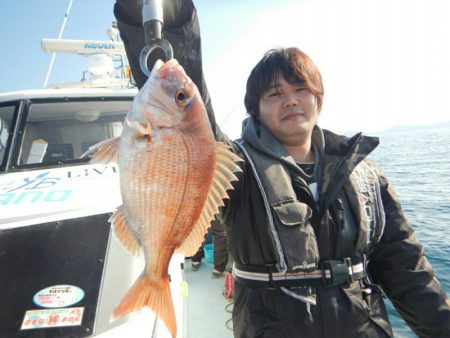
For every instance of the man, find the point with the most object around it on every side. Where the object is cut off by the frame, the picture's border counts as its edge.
(316, 233)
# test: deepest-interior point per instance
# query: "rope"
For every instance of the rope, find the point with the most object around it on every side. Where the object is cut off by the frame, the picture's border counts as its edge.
(229, 322)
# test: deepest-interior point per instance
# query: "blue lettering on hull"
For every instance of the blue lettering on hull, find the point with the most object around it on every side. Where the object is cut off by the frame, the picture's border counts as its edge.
(34, 197)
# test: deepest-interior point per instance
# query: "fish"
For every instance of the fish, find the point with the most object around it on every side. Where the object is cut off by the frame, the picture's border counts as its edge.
(174, 177)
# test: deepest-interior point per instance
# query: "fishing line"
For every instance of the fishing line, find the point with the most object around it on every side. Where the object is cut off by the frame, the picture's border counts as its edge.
(230, 112)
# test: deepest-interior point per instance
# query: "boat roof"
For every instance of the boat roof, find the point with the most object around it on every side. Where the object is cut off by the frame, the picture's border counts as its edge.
(67, 92)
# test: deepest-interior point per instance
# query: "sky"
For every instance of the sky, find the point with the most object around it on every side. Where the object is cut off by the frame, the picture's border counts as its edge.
(384, 63)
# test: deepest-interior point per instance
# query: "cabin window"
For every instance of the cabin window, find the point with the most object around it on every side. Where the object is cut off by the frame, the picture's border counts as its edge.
(6, 118)
(61, 132)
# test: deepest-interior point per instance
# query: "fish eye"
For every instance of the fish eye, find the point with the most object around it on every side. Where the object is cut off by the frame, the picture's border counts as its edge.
(181, 96)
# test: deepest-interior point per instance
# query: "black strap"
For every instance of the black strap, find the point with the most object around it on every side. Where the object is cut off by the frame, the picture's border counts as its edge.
(270, 268)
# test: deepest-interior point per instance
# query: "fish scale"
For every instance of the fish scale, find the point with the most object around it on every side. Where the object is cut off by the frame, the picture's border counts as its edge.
(169, 205)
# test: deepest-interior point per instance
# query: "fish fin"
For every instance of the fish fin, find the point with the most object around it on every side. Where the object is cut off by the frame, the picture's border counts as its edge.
(226, 166)
(154, 294)
(104, 152)
(140, 128)
(123, 232)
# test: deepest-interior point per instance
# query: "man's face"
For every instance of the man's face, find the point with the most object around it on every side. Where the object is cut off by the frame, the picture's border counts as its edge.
(289, 111)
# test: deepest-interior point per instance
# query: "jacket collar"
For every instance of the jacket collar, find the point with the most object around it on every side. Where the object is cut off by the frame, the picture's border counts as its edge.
(258, 136)
(329, 143)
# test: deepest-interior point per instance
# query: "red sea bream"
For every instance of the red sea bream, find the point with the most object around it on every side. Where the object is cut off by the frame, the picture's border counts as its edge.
(173, 178)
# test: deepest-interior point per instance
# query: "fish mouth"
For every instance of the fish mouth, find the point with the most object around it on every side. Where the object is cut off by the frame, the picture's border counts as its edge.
(168, 64)
(170, 70)
(158, 64)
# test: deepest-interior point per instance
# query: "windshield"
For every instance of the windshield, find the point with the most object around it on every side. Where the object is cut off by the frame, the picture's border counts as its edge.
(60, 132)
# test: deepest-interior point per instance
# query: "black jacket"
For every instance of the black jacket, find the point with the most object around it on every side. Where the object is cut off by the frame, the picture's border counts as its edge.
(396, 260)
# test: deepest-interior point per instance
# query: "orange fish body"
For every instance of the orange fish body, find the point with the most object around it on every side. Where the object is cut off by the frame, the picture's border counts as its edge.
(173, 178)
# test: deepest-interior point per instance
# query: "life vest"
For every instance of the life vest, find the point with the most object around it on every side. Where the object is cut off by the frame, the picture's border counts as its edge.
(290, 227)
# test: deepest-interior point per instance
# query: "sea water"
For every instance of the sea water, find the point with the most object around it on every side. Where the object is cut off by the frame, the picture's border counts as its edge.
(417, 164)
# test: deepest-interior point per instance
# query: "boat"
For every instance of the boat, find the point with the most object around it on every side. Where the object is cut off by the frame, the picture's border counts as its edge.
(62, 269)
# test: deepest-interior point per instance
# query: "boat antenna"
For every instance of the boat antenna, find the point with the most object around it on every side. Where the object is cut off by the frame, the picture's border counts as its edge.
(59, 37)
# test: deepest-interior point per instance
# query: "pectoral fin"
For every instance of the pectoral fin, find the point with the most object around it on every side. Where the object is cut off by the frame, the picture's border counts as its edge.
(141, 128)
(104, 152)
(223, 175)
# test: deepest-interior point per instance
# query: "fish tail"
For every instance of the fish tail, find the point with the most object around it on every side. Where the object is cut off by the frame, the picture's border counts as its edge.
(154, 294)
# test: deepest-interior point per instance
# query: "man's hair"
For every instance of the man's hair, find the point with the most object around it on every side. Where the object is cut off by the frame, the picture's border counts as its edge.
(294, 65)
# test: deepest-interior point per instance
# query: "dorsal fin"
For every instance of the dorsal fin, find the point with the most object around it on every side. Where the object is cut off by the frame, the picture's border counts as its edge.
(104, 152)
(223, 174)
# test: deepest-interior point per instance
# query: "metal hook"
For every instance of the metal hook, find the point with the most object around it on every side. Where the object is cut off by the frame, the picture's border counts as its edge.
(153, 45)
(152, 18)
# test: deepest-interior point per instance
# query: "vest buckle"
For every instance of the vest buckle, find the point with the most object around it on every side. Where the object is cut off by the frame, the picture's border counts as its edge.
(339, 272)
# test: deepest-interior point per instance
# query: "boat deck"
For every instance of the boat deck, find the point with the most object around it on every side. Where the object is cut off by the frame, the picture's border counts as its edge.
(208, 311)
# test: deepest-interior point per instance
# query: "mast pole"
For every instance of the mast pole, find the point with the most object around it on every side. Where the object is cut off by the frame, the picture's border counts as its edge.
(59, 37)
